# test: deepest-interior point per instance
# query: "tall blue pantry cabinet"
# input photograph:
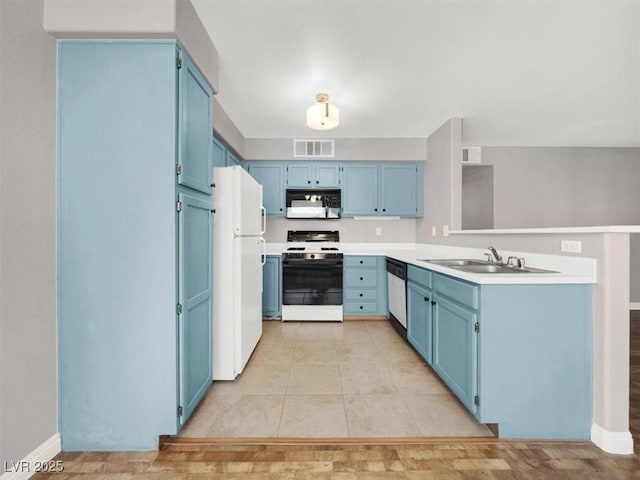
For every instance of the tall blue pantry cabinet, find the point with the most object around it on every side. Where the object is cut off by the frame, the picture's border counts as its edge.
(134, 242)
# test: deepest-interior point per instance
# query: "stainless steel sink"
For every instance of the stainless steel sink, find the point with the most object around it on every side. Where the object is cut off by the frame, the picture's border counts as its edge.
(480, 266)
(454, 262)
(490, 269)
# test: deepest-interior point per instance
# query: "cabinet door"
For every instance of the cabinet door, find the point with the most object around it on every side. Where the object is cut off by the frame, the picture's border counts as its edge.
(455, 349)
(419, 322)
(300, 175)
(232, 160)
(195, 148)
(219, 154)
(399, 189)
(271, 289)
(360, 189)
(327, 175)
(271, 177)
(195, 298)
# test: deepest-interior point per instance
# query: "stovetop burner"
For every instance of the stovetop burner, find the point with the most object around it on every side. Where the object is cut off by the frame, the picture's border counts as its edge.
(296, 249)
(335, 249)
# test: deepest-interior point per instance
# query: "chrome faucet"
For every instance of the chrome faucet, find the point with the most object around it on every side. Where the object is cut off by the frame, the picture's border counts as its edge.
(497, 258)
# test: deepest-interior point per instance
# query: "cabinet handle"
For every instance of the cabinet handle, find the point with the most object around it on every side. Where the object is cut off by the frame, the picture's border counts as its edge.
(360, 294)
(308, 181)
(317, 181)
(432, 302)
(360, 307)
(375, 209)
(361, 262)
(361, 278)
(280, 209)
(426, 299)
(384, 209)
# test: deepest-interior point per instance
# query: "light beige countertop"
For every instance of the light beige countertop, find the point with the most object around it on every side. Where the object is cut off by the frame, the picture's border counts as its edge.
(570, 269)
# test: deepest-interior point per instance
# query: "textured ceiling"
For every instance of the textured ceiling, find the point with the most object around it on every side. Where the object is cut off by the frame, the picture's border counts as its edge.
(518, 72)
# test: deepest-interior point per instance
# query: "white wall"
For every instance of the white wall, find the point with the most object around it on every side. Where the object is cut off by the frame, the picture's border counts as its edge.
(224, 128)
(442, 179)
(411, 149)
(360, 231)
(28, 355)
(477, 197)
(563, 186)
(135, 19)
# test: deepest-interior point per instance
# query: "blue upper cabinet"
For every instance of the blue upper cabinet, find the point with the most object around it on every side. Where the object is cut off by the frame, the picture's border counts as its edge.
(232, 160)
(383, 188)
(327, 175)
(219, 154)
(300, 175)
(360, 189)
(313, 175)
(271, 176)
(400, 189)
(195, 149)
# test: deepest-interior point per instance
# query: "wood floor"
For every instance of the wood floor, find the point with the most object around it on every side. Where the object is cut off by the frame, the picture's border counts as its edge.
(438, 459)
(348, 459)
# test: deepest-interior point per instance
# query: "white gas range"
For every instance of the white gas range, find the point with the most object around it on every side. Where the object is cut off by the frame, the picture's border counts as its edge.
(312, 276)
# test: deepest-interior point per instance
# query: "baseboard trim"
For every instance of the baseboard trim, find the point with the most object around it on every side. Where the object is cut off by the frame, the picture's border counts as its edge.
(26, 467)
(620, 443)
(634, 306)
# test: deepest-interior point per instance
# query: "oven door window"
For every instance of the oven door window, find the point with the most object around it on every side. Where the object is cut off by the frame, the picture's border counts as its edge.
(312, 282)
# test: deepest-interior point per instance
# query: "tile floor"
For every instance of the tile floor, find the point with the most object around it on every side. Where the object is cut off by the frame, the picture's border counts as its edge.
(351, 379)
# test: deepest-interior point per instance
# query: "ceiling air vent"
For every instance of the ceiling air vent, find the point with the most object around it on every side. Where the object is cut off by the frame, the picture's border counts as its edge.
(472, 155)
(313, 148)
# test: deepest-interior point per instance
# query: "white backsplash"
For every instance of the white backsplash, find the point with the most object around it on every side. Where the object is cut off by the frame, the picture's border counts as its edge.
(402, 230)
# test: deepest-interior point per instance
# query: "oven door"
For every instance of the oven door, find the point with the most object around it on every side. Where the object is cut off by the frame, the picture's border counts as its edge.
(312, 282)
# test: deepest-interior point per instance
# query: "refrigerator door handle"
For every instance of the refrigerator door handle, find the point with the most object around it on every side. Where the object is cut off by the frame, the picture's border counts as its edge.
(264, 220)
(264, 251)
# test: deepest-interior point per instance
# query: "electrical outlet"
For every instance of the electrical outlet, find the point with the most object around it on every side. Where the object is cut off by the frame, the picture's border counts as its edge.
(445, 230)
(378, 231)
(433, 231)
(571, 246)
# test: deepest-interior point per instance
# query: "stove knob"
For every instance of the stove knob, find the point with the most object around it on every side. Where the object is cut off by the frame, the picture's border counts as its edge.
(313, 256)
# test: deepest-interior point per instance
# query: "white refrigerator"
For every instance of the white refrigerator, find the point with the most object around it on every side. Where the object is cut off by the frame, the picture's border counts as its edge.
(239, 222)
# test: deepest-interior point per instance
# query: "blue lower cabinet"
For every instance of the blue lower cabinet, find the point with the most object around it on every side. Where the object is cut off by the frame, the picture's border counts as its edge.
(272, 286)
(519, 356)
(365, 285)
(419, 320)
(455, 349)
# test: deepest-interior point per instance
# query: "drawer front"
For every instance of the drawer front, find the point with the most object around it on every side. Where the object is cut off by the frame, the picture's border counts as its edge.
(361, 277)
(360, 261)
(462, 292)
(360, 296)
(360, 308)
(419, 275)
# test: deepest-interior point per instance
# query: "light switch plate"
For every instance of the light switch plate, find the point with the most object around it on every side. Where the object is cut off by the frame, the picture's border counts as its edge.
(378, 231)
(571, 246)
(433, 231)
(445, 230)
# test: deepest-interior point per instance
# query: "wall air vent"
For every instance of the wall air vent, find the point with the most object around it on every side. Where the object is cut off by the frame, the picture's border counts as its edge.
(313, 148)
(472, 155)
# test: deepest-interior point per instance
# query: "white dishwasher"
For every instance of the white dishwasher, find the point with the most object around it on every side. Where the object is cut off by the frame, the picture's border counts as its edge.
(397, 286)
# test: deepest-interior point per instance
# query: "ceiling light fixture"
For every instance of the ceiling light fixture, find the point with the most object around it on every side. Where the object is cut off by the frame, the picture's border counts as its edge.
(322, 115)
